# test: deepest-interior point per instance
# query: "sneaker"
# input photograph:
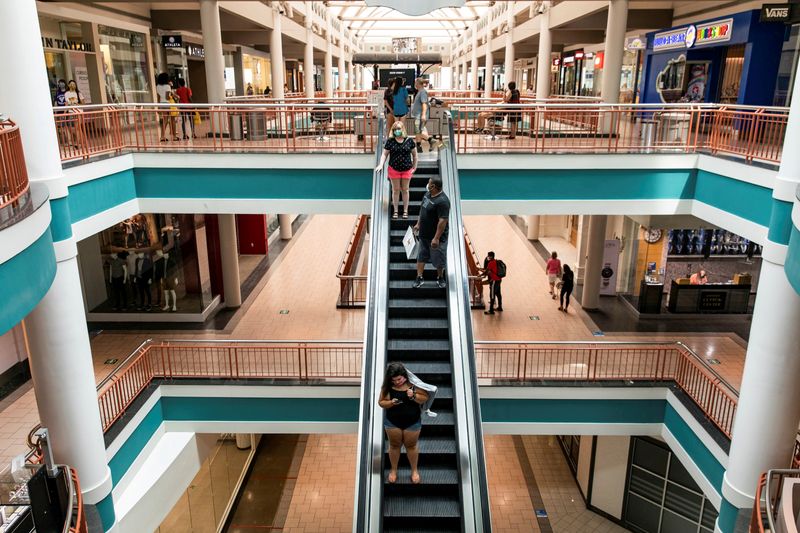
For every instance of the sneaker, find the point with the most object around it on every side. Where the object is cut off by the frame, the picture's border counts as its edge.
(500, 309)
(489, 312)
(441, 283)
(418, 282)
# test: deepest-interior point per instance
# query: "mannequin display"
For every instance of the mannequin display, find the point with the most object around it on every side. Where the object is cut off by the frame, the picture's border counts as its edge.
(130, 258)
(117, 276)
(144, 277)
(163, 273)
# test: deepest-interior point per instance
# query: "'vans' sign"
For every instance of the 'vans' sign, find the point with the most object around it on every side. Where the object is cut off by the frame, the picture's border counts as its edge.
(775, 12)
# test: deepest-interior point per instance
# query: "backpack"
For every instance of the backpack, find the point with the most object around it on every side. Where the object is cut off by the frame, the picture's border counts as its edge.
(501, 268)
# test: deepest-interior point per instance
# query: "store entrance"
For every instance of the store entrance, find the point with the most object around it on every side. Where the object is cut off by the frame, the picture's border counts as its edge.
(197, 80)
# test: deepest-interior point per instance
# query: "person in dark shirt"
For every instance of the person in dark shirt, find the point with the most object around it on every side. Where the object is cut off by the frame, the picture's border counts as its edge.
(185, 97)
(567, 284)
(490, 271)
(432, 230)
(402, 165)
(388, 104)
(403, 421)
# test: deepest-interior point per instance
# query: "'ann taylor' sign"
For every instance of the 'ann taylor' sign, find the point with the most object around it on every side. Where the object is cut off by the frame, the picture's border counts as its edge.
(775, 12)
(62, 44)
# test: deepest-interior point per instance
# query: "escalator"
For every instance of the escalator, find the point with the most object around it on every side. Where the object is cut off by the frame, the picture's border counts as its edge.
(430, 331)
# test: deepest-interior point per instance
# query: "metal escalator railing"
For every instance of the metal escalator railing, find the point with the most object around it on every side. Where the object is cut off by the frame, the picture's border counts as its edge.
(369, 477)
(472, 464)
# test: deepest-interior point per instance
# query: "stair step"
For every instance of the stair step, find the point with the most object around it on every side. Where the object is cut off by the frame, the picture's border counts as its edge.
(403, 289)
(423, 369)
(431, 475)
(427, 505)
(417, 324)
(418, 303)
(435, 445)
(445, 417)
(421, 345)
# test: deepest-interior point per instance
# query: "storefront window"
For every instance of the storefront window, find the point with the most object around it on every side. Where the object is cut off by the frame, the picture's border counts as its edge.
(65, 49)
(257, 74)
(787, 70)
(125, 65)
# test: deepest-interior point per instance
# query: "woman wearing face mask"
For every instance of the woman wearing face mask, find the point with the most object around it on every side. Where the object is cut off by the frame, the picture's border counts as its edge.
(61, 91)
(403, 422)
(402, 154)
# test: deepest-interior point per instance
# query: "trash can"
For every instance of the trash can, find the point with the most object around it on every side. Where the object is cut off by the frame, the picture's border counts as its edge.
(235, 126)
(256, 126)
(674, 128)
(648, 134)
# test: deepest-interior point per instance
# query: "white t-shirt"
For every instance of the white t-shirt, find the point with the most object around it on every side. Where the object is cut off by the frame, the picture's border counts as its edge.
(71, 98)
(162, 91)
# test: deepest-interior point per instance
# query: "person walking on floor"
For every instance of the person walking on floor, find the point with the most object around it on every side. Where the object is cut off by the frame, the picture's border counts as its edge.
(567, 284)
(432, 230)
(403, 422)
(402, 165)
(184, 94)
(492, 272)
(553, 271)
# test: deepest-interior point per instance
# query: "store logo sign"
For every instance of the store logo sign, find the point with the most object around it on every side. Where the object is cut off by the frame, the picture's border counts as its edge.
(197, 51)
(635, 43)
(691, 36)
(64, 44)
(667, 40)
(775, 13)
(172, 41)
(713, 32)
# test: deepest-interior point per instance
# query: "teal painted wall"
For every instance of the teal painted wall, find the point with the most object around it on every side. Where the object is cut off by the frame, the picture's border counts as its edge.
(792, 265)
(541, 411)
(61, 219)
(780, 222)
(105, 509)
(95, 196)
(548, 184)
(702, 457)
(740, 198)
(36, 265)
(127, 453)
(324, 184)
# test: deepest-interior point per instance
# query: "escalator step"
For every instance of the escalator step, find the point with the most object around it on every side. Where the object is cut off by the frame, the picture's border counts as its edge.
(434, 445)
(437, 345)
(421, 506)
(431, 475)
(420, 326)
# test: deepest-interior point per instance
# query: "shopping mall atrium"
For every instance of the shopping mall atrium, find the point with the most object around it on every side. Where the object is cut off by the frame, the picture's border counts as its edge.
(394, 265)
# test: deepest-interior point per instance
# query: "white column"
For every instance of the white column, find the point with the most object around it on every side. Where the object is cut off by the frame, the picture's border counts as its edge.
(615, 45)
(60, 355)
(533, 227)
(276, 55)
(545, 49)
(473, 84)
(768, 411)
(329, 59)
(358, 83)
(308, 55)
(212, 43)
(464, 75)
(229, 254)
(350, 76)
(340, 63)
(590, 298)
(489, 61)
(509, 64)
(285, 222)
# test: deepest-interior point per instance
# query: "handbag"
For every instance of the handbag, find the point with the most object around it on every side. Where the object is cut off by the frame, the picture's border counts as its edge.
(411, 244)
(197, 119)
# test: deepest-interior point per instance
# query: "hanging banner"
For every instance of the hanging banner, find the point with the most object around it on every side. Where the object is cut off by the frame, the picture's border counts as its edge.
(608, 275)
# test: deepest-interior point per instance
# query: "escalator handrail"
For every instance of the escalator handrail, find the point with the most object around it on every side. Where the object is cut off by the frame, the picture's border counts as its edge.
(466, 399)
(368, 514)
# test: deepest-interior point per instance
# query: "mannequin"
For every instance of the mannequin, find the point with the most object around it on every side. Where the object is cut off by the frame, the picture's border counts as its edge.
(144, 277)
(163, 268)
(117, 276)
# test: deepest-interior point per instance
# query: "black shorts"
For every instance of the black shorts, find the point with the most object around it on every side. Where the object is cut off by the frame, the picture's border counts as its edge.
(435, 256)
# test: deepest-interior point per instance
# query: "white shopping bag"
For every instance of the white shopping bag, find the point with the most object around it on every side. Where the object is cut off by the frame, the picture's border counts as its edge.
(411, 244)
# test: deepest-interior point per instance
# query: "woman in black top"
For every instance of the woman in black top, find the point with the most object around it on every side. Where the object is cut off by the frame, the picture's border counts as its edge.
(403, 421)
(512, 98)
(402, 154)
(567, 284)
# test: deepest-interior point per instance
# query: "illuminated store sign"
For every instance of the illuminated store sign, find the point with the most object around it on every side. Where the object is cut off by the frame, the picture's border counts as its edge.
(667, 40)
(713, 32)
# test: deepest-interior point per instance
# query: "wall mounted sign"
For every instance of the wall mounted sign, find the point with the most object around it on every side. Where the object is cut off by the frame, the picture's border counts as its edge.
(775, 13)
(635, 43)
(599, 60)
(667, 40)
(195, 51)
(711, 33)
(556, 61)
(568, 60)
(579, 55)
(63, 44)
(136, 40)
(172, 41)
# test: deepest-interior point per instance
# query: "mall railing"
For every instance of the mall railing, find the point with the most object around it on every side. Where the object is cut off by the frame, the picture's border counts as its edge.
(352, 286)
(774, 507)
(234, 360)
(87, 131)
(474, 277)
(745, 132)
(14, 185)
(612, 361)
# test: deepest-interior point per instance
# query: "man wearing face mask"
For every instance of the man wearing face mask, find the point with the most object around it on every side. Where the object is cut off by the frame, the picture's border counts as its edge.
(400, 149)
(432, 230)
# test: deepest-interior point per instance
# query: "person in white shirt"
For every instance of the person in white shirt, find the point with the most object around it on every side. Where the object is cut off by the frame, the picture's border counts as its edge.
(72, 97)
(166, 96)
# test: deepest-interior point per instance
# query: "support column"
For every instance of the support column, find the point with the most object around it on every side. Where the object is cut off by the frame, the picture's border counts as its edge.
(473, 84)
(329, 59)
(488, 79)
(276, 55)
(212, 43)
(615, 47)
(359, 83)
(285, 222)
(60, 354)
(229, 253)
(590, 298)
(533, 227)
(543, 59)
(308, 55)
(238, 71)
(464, 75)
(768, 411)
(509, 64)
(340, 62)
(350, 76)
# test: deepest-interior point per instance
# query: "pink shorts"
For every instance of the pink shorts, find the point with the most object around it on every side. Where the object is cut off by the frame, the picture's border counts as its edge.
(400, 174)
